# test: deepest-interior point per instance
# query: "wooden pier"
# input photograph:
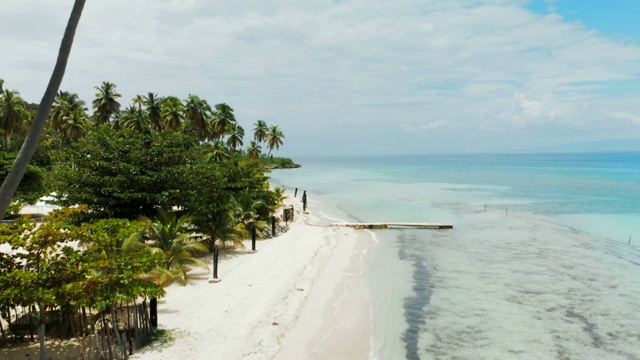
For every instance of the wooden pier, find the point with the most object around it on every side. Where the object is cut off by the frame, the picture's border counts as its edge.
(375, 226)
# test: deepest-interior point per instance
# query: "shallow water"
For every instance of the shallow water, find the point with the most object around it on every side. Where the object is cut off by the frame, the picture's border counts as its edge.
(546, 271)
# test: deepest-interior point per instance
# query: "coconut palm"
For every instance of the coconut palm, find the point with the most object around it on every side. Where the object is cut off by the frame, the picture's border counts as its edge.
(134, 118)
(12, 114)
(254, 151)
(236, 134)
(223, 116)
(170, 236)
(154, 111)
(274, 138)
(249, 211)
(65, 104)
(260, 131)
(105, 103)
(172, 112)
(197, 111)
(219, 152)
(74, 126)
(138, 100)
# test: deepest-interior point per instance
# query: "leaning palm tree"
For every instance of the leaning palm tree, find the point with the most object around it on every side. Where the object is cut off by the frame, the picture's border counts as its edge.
(236, 135)
(105, 103)
(11, 182)
(170, 236)
(12, 114)
(172, 113)
(223, 116)
(254, 151)
(260, 131)
(274, 138)
(154, 111)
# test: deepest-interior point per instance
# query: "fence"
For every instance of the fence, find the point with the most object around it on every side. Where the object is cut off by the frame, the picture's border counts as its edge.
(111, 334)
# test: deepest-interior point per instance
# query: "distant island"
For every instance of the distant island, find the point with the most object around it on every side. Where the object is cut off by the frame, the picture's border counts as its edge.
(280, 163)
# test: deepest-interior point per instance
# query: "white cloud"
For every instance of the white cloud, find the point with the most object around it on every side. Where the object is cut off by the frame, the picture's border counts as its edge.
(321, 63)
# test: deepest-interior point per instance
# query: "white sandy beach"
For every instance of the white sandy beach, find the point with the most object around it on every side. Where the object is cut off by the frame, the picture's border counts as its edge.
(301, 296)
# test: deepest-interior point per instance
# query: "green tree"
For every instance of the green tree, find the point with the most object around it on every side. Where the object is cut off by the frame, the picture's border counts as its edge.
(218, 152)
(236, 134)
(134, 118)
(138, 100)
(172, 113)
(74, 124)
(65, 104)
(222, 117)
(260, 131)
(254, 151)
(154, 110)
(274, 138)
(125, 174)
(12, 114)
(197, 111)
(105, 103)
(171, 237)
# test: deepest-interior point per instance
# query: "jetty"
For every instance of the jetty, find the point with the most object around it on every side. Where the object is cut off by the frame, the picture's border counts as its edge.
(398, 225)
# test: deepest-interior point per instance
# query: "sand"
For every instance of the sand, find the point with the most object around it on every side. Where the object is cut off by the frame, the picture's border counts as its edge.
(300, 296)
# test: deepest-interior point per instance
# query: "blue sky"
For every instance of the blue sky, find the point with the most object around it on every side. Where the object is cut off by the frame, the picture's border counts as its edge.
(357, 76)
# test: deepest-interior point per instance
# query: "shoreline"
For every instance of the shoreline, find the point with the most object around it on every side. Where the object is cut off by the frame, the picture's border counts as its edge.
(302, 293)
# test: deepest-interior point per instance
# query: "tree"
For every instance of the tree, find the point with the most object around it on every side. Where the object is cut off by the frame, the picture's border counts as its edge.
(274, 138)
(125, 174)
(197, 111)
(134, 118)
(218, 152)
(105, 103)
(74, 126)
(260, 131)
(254, 151)
(172, 112)
(236, 134)
(138, 100)
(12, 114)
(223, 116)
(65, 104)
(170, 237)
(12, 180)
(154, 111)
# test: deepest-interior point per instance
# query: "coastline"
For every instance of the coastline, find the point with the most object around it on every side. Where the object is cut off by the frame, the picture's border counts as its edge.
(302, 295)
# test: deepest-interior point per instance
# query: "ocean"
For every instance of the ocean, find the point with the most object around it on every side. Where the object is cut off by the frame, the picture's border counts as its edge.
(543, 261)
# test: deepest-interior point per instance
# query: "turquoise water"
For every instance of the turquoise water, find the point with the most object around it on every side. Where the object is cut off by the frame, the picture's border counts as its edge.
(538, 266)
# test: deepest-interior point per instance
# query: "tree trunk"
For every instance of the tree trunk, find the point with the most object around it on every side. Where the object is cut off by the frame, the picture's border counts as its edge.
(41, 334)
(19, 167)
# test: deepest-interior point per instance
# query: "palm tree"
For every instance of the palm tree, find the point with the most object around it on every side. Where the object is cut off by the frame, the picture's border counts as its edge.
(219, 152)
(254, 151)
(11, 182)
(170, 237)
(274, 138)
(138, 100)
(65, 104)
(74, 126)
(223, 116)
(260, 130)
(154, 111)
(236, 134)
(197, 112)
(12, 114)
(172, 112)
(105, 103)
(248, 214)
(134, 118)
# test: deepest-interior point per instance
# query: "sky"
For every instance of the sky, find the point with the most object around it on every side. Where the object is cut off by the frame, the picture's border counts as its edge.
(353, 76)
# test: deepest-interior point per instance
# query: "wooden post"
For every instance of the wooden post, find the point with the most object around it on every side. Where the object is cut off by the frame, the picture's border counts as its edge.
(215, 262)
(273, 226)
(304, 201)
(253, 238)
(295, 193)
(153, 309)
